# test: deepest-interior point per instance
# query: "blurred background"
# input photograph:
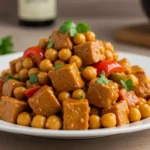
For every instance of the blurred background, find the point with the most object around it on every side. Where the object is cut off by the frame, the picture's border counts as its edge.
(105, 17)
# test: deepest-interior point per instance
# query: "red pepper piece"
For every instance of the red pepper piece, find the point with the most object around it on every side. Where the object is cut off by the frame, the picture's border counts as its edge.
(29, 92)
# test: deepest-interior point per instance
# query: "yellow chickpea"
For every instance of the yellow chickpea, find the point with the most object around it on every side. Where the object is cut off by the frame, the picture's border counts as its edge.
(16, 75)
(59, 62)
(90, 36)
(51, 54)
(94, 110)
(142, 100)
(46, 65)
(38, 121)
(134, 115)
(53, 122)
(64, 95)
(116, 56)
(64, 54)
(94, 122)
(108, 46)
(145, 110)
(108, 55)
(18, 66)
(43, 43)
(33, 71)
(23, 75)
(79, 39)
(89, 73)
(43, 78)
(148, 102)
(19, 92)
(28, 63)
(77, 60)
(108, 120)
(134, 79)
(24, 119)
(148, 79)
(78, 94)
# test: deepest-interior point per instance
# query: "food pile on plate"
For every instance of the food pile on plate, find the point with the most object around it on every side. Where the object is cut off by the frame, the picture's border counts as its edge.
(73, 81)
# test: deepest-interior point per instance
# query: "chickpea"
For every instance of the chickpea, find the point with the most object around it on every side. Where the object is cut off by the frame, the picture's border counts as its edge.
(18, 66)
(108, 46)
(134, 115)
(116, 56)
(28, 63)
(38, 121)
(24, 119)
(43, 78)
(53, 122)
(59, 62)
(46, 65)
(108, 120)
(33, 71)
(64, 54)
(77, 60)
(94, 122)
(145, 110)
(142, 100)
(78, 94)
(109, 54)
(16, 75)
(51, 54)
(134, 79)
(63, 95)
(19, 92)
(148, 79)
(90, 36)
(89, 73)
(79, 39)
(148, 102)
(23, 75)
(43, 43)
(94, 110)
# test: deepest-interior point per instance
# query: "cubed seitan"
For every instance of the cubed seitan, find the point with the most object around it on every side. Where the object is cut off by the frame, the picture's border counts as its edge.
(67, 78)
(89, 52)
(10, 85)
(61, 40)
(121, 110)
(10, 108)
(126, 65)
(44, 102)
(75, 114)
(102, 95)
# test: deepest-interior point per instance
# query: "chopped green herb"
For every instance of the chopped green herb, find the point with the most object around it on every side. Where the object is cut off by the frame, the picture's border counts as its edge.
(102, 79)
(10, 76)
(50, 37)
(50, 45)
(83, 27)
(33, 79)
(6, 45)
(73, 31)
(81, 97)
(128, 85)
(58, 66)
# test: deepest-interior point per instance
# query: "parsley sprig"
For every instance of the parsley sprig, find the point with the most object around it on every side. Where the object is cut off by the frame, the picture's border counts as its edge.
(102, 79)
(58, 66)
(73, 29)
(10, 76)
(50, 45)
(33, 79)
(128, 85)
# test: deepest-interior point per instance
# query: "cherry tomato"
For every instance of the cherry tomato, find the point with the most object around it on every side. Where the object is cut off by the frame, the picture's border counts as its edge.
(108, 66)
(29, 92)
(130, 96)
(35, 53)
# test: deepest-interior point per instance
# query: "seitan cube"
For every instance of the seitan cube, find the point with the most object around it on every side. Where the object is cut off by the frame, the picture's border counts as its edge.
(44, 102)
(89, 52)
(9, 86)
(121, 110)
(67, 78)
(102, 95)
(10, 108)
(61, 40)
(75, 114)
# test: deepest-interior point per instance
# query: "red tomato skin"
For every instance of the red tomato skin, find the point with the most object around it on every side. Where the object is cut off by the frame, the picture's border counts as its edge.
(130, 96)
(35, 53)
(29, 92)
(108, 66)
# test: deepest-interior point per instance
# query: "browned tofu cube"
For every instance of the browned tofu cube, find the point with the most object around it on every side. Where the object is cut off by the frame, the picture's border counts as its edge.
(61, 40)
(10, 108)
(75, 114)
(89, 52)
(44, 102)
(67, 78)
(102, 95)
(10, 85)
(121, 110)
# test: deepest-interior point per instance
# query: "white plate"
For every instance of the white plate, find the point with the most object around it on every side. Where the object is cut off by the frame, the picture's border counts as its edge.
(133, 127)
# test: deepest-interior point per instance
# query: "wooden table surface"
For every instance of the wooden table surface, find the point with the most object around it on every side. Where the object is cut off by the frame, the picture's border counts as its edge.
(104, 28)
